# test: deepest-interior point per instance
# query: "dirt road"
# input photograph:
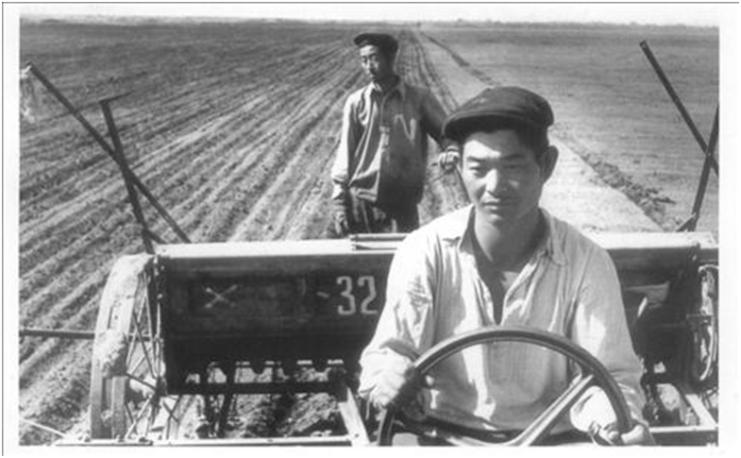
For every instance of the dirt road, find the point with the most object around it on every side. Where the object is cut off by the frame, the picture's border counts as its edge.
(575, 192)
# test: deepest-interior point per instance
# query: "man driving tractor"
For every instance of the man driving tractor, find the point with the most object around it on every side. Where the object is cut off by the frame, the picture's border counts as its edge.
(379, 171)
(503, 261)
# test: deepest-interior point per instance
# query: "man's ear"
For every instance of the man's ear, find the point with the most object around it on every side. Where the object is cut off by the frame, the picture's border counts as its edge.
(548, 161)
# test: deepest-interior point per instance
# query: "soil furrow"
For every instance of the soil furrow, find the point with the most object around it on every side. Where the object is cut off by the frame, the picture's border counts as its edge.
(55, 223)
(49, 302)
(167, 122)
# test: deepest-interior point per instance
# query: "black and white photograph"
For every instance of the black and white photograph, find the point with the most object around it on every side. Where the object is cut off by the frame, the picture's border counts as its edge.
(370, 224)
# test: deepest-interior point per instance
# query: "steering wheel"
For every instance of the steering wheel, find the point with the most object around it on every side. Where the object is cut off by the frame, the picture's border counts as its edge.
(592, 373)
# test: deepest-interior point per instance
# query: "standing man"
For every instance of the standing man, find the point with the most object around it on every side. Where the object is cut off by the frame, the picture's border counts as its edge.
(379, 172)
(503, 261)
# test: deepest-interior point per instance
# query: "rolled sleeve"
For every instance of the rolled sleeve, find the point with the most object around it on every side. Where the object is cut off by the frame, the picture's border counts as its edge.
(600, 327)
(404, 329)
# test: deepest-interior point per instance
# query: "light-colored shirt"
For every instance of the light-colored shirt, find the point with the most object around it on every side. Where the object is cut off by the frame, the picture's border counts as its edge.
(382, 154)
(568, 287)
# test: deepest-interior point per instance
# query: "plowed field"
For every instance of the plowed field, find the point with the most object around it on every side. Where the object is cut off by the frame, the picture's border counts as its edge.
(233, 127)
(610, 107)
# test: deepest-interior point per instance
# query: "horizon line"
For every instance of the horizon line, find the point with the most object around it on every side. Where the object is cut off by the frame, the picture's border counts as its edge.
(108, 18)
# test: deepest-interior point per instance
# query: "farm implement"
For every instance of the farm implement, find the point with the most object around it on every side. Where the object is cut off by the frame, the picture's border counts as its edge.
(185, 330)
(198, 319)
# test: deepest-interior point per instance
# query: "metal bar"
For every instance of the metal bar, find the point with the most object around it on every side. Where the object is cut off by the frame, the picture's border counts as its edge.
(108, 149)
(171, 415)
(128, 412)
(62, 333)
(74, 111)
(127, 175)
(351, 416)
(302, 363)
(229, 442)
(139, 415)
(374, 246)
(172, 409)
(685, 435)
(664, 435)
(687, 224)
(138, 310)
(140, 380)
(393, 237)
(226, 403)
(43, 428)
(255, 388)
(547, 419)
(694, 401)
(155, 237)
(144, 348)
(702, 186)
(680, 106)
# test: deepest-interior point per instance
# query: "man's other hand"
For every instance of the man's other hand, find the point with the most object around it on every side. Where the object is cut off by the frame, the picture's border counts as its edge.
(638, 435)
(341, 227)
(395, 384)
(448, 160)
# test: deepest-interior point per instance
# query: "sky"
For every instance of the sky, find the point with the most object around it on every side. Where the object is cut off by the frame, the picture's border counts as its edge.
(668, 13)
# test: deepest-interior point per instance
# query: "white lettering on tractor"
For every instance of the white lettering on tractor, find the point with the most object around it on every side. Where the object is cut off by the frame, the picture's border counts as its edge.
(365, 305)
(350, 307)
(347, 293)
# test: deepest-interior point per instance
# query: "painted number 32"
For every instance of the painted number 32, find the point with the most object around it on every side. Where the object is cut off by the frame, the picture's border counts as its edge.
(351, 305)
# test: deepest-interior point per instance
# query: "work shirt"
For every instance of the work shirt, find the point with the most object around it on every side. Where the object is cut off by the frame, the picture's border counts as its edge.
(382, 153)
(568, 287)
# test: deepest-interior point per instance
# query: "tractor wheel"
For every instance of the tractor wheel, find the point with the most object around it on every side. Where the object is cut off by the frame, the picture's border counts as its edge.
(128, 394)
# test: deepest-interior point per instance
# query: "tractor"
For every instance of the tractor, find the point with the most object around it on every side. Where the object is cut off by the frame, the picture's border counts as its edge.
(186, 328)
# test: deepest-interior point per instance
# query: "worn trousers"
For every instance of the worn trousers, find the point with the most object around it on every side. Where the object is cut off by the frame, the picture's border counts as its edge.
(366, 217)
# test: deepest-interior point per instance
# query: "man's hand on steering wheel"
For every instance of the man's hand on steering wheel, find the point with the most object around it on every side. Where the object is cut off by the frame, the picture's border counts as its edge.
(392, 384)
(609, 435)
(398, 384)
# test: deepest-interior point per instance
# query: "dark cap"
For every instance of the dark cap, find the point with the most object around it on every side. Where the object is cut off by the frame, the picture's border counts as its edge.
(384, 41)
(506, 103)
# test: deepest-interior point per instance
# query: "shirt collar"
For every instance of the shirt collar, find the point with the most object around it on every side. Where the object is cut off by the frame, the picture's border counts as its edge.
(399, 87)
(456, 229)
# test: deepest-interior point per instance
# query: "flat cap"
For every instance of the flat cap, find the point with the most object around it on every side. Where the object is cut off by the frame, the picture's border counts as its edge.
(384, 41)
(505, 103)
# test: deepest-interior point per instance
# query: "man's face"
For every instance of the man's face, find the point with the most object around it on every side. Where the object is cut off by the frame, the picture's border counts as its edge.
(502, 176)
(375, 63)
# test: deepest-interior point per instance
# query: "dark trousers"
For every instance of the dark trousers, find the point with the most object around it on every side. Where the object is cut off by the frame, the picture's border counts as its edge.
(364, 217)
